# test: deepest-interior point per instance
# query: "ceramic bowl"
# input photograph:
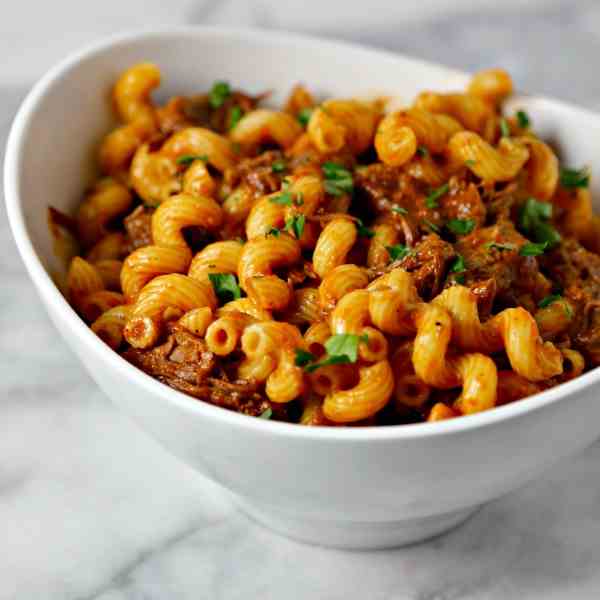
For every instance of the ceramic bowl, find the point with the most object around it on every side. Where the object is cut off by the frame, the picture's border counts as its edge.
(368, 487)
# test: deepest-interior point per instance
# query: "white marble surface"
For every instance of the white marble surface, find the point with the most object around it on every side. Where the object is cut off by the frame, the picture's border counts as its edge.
(90, 508)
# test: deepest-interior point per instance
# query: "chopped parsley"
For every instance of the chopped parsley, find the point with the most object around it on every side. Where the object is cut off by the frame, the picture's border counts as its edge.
(274, 232)
(188, 159)
(523, 119)
(234, 116)
(533, 221)
(458, 267)
(303, 357)
(398, 251)
(304, 116)
(278, 166)
(295, 225)
(338, 180)
(500, 246)
(470, 162)
(552, 298)
(362, 230)
(219, 92)
(422, 151)
(266, 414)
(341, 349)
(431, 225)
(460, 226)
(574, 178)
(533, 249)
(226, 286)
(285, 199)
(504, 128)
(432, 200)
(399, 210)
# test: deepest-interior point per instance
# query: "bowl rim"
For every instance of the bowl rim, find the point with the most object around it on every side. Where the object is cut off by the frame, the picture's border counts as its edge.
(110, 359)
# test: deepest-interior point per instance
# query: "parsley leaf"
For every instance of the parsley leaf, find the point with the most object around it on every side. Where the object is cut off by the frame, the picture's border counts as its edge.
(500, 246)
(399, 210)
(274, 232)
(362, 230)
(523, 119)
(295, 225)
(422, 151)
(285, 199)
(341, 349)
(234, 116)
(338, 180)
(278, 166)
(470, 162)
(431, 225)
(266, 414)
(552, 298)
(533, 218)
(226, 286)
(304, 116)
(460, 226)
(397, 251)
(303, 357)
(458, 267)
(574, 178)
(533, 249)
(432, 200)
(188, 159)
(219, 93)
(504, 128)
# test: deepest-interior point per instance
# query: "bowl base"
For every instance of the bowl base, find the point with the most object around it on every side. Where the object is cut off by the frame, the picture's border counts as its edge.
(355, 535)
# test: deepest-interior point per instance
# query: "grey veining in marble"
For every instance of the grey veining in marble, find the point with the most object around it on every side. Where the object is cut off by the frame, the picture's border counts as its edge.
(91, 509)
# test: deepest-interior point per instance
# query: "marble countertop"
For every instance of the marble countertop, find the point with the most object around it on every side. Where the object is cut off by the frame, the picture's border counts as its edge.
(92, 509)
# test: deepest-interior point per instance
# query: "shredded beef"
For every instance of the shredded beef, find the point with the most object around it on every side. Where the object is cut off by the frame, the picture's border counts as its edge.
(138, 226)
(257, 173)
(184, 363)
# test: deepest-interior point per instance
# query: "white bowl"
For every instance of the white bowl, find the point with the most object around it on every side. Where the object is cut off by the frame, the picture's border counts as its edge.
(357, 488)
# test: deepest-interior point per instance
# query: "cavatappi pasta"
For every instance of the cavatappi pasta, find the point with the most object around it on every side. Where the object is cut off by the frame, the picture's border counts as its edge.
(332, 263)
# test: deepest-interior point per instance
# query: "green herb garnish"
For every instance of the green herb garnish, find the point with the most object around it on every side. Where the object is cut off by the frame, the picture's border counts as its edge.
(285, 199)
(533, 221)
(470, 162)
(234, 117)
(341, 349)
(523, 119)
(460, 226)
(399, 210)
(188, 159)
(303, 357)
(295, 225)
(226, 286)
(398, 251)
(304, 116)
(219, 93)
(575, 178)
(422, 151)
(266, 414)
(533, 249)
(500, 246)
(432, 199)
(458, 267)
(278, 166)
(362, 230)
(552, 298)
(274, 232)
(338, 180)
(431, 225)
(504, 128)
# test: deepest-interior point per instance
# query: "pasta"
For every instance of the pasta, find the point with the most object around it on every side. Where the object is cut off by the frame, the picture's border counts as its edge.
(329, 264)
